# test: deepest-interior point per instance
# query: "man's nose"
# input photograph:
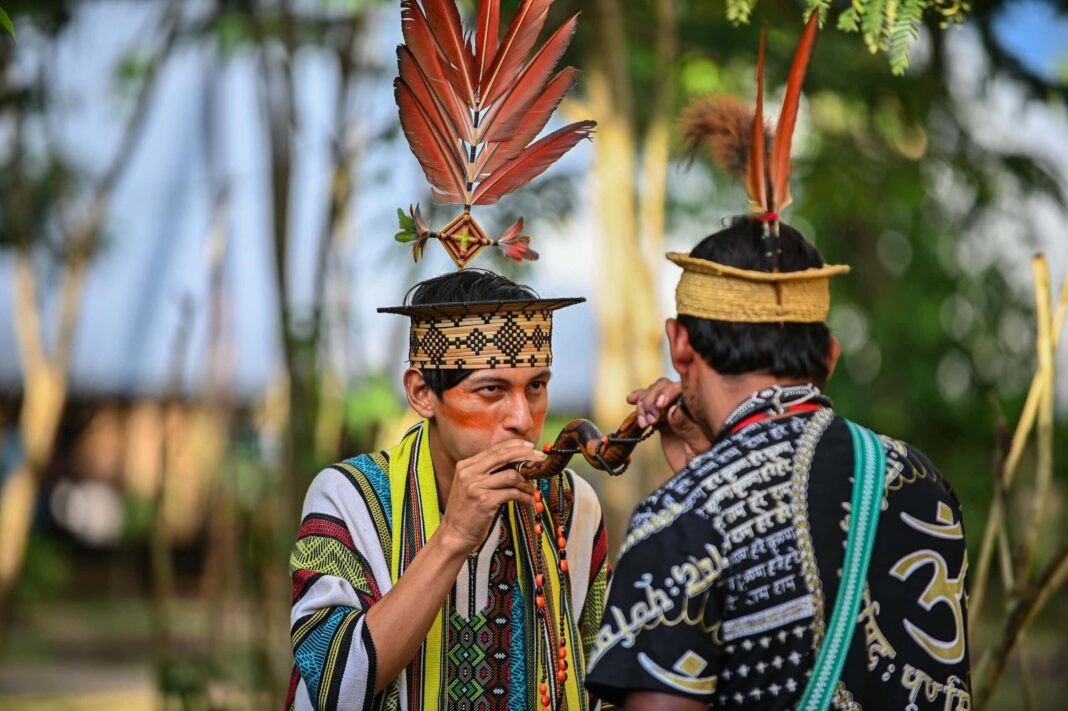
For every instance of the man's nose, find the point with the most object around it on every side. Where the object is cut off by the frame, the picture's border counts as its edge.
(518, 417)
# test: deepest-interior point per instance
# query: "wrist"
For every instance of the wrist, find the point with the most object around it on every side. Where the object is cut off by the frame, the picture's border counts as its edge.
(452, 543)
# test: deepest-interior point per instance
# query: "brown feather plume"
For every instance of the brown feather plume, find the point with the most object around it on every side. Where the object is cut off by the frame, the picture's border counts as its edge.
(738, 139)
(723, 124)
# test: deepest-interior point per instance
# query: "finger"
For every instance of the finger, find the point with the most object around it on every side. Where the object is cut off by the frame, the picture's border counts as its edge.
(649, 407)
(480, 460)
(635, 395)
(507, 478)
(506, 453)
(503, 496)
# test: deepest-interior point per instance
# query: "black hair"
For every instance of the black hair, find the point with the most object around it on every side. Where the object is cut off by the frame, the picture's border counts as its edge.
(456, 287)
(787, 350)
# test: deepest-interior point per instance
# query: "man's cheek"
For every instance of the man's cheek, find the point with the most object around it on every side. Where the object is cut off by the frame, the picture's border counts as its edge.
(537, 414)
(467, 413)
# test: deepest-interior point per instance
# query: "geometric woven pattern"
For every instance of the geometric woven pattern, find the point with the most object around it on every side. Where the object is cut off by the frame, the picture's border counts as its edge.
(490, 340)
(481, 649)
(476, 335)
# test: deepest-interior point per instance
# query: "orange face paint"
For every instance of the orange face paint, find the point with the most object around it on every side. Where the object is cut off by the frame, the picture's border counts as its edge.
(467, 407)
(468, 411)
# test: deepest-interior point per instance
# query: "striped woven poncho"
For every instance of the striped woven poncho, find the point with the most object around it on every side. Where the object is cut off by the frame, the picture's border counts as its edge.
(483, 650)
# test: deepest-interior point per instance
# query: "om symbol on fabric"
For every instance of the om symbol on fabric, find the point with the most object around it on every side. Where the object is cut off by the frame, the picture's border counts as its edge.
(941, 589)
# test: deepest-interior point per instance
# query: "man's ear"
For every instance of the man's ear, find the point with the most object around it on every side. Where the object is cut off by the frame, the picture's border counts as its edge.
(420, 396)
(832, 356)
(682, 353)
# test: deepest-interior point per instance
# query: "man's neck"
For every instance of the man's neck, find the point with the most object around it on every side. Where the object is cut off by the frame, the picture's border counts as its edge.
(727, 392)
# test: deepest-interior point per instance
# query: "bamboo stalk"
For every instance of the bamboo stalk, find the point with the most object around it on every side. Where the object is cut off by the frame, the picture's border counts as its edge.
(1044, 467)
(1019, 441)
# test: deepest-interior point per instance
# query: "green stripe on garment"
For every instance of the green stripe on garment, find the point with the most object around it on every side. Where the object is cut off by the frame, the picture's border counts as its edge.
(869, 480)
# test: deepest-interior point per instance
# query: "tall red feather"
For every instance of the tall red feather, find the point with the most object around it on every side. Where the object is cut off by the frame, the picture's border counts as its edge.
(444, 18)
(756, 183)
(419, 40)
(534, 119)
(436, 154)
(506, 115)
(520, 38)
(779, 173)
(489, 23)
(449, 123)
(531, 162)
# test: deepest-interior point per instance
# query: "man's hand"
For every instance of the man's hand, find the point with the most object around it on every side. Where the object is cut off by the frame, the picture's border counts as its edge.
(680, 437)
(478, 490)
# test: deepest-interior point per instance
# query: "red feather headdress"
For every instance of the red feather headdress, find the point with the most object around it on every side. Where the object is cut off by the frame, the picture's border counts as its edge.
(470, 105)
(740, 146)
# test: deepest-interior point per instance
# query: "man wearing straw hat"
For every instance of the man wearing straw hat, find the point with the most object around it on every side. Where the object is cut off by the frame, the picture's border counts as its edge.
(796, 559)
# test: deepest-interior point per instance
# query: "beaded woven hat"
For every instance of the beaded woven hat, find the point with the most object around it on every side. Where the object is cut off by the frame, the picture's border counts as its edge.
(471, 106)
(736, 137)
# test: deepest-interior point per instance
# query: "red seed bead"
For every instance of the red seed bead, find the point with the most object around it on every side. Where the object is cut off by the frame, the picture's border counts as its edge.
(545, 700)
(539, 579)
(544, 688)
(537, 529)
(563, 652)
(546, 448)
(539, 506)
(563, 665)
(560, 531)
(604, 440)
(561, 676)
(540, 601)
(563, 565)
(561, 542)
(537, 494)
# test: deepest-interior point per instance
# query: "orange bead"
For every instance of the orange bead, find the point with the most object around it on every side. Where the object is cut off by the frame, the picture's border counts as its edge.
(563, 665)
(563, 652)
(537, 529)
(539, 506)
(563, 565)
(539, 579)
(561, 676)
(604, 440)
(537, 494)
(545, 699)
(561, 542)
(560, 530)
(541, 601)
(546, 707)
(546, 448)
(544, 688)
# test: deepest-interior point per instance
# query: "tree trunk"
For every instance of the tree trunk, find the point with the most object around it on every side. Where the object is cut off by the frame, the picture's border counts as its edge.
(632, 234)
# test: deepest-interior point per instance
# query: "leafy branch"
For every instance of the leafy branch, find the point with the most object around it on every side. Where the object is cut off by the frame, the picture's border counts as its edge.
(889, 26)
(5, 22)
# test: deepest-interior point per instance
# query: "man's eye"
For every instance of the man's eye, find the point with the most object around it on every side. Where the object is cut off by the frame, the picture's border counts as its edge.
(489, 389)
(538, 385)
